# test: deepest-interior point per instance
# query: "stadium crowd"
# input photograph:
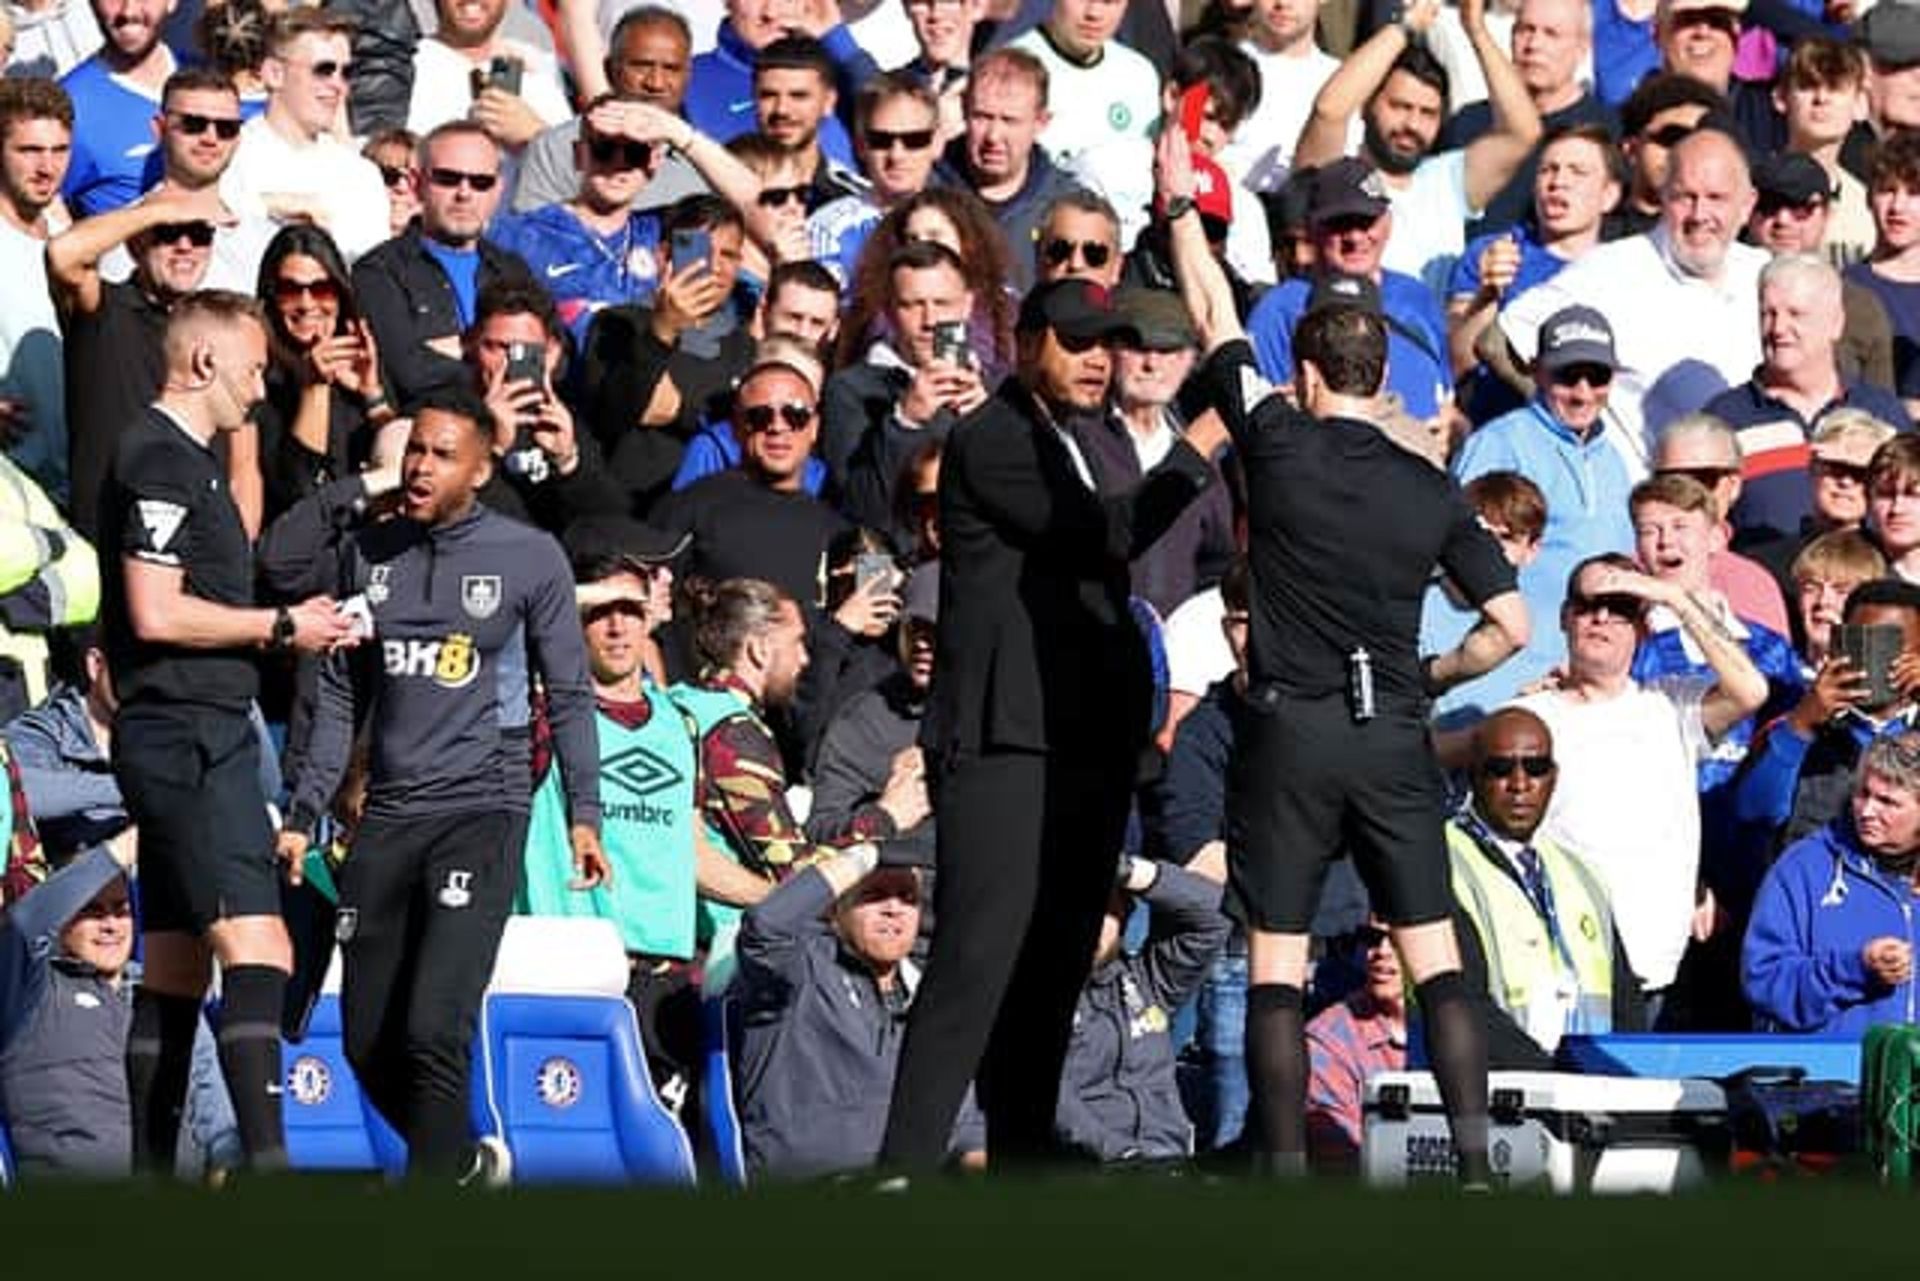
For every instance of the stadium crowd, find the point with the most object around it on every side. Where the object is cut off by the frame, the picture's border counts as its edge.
(712, 286)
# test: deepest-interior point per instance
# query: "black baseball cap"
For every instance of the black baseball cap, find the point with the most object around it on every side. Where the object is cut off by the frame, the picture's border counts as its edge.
(1890, 33)
(1340, 291)
(1072, 308)
(1789, 178)
(1576, 336)
(1347, 188)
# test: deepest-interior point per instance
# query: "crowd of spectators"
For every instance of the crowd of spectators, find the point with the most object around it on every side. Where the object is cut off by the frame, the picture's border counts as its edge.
(727, 275)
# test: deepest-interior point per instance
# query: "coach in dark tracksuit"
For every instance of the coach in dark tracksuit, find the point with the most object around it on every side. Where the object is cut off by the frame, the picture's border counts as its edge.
(1033, 733)
(467, 607)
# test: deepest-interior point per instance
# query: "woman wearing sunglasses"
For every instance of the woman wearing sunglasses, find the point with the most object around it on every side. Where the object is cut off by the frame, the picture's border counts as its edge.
(324, 390)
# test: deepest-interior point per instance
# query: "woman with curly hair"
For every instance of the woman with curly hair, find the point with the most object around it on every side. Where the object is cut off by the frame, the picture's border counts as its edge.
(958, 220)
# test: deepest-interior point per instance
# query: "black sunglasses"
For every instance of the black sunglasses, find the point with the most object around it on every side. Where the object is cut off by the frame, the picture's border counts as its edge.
(1670, 135)
(393, 175)
(759, 418)
(1618, 604)
(327, 69)
(451, 178)
(1833, 468)
(1724, 19)
(1504, 766)
(1768, 206)
(888, 139)
(630, 155)
(1368, 937)
(1708, 476)
(1092, 252)
(193, 124)
(1591, 375)
(774, 197)
(197, 234)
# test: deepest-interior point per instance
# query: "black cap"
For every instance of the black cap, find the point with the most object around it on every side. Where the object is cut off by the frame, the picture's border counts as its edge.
(1337, 290)
(1072, 308)
(1158, 317)
(1347, 188)
(1890, 33)
(1575, 336)
(1789, 178)
(594, 538)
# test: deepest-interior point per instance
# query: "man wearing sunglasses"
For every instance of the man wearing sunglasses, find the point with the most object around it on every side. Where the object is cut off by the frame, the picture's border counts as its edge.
(1664, 109)
(595, 249)
(1627, 795)
(292, 164)
(896, 140)
(1798, 383)
(64, 1017)
(419, 290)
(1079, 239)
(1535, 922)
(114, 94)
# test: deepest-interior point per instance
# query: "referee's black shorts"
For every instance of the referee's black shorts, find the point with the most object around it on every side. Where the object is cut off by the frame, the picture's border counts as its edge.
(1308, 783)
(190, 777)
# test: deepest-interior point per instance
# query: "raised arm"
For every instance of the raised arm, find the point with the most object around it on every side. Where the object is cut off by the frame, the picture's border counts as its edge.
(1495, 156)
(1325, 136)
(1203, 282)
(1739, 689)
(73, 256)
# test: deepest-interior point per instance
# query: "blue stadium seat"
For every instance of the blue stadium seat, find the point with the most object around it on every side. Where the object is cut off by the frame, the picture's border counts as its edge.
(330, 1123)
(6, 1158)
(560, 1075)
(1667, 1054)
(716, 1091)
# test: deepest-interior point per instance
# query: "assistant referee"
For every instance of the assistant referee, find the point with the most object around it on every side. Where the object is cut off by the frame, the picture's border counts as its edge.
(1346, 529)
(182, 636)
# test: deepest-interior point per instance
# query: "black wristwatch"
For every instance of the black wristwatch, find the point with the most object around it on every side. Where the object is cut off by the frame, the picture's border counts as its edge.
(280, 639)
(1179, 207)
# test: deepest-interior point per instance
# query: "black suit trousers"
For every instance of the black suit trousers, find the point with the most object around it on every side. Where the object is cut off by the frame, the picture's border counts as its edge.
(1028, 844)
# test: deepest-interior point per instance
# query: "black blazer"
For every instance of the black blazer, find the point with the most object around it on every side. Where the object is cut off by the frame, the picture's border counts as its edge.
(1036, 650)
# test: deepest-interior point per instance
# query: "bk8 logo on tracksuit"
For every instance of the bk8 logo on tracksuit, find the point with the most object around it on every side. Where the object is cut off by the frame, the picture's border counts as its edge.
(451, 663)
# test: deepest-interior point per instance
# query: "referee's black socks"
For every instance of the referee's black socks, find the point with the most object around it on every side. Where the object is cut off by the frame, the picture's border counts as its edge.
(1277, 1076)
(250, 1000)
(1457, 1048)
(159, 1060)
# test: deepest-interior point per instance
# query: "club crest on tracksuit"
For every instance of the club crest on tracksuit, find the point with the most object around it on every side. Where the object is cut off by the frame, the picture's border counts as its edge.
(480, 594)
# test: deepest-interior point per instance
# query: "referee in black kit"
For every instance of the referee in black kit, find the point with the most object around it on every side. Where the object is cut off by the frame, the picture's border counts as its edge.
(1346, 529)
(182, 636)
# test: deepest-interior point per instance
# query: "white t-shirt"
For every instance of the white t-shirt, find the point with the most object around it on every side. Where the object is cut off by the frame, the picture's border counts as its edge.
(1122, 171)
(443, 85)
(53, 41)
(1197, 651)
(1680, 339)
(1117, 97)
(1261, 153)
(885, 32)
(31, 364)
(333, 174)
(1627, 801)
(1430, 218)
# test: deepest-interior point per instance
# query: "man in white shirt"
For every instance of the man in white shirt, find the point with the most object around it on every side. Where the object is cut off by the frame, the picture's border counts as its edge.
(1680, 298)
(293, 163)
(466, 52)
(51, 37)
(1401, 91)
(1293, 69)
(36, 132)
(1627, 802)
(1098, 88)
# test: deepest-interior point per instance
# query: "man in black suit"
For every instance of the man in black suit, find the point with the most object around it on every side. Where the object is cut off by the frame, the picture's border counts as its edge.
(1033, 733)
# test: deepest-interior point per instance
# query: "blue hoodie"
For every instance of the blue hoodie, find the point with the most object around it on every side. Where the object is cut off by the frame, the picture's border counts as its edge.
(1818, 907)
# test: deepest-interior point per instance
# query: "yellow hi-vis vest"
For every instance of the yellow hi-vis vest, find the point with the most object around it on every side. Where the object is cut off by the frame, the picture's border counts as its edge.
(1524, 968)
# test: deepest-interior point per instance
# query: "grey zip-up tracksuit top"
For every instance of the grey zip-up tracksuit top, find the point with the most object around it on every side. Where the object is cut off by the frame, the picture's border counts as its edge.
(465, 615)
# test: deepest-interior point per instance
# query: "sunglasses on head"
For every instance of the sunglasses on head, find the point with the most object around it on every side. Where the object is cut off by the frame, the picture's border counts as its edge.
(1669, 135)
(626, 154)
(193, 124)
(451, 178)
(759, 418)
(197, 234)
(1504, 766)
(325, 289)
(1092, 252)
(393, 175)
(775, 197)
(888, 139)
(1591, 375)
(1618, 604)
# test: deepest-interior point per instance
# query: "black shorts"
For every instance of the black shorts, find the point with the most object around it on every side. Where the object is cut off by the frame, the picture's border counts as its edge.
(190, 777)
(1307, 784)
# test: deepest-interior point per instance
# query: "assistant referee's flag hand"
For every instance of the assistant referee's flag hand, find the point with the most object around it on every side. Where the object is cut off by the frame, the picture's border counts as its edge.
(290, 847)
(590, 867)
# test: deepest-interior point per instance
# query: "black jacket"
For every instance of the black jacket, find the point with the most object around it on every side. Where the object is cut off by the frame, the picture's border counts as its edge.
(408, 300)
(1037, 650)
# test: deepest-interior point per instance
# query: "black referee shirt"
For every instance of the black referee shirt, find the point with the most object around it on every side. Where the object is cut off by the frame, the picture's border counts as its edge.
(1346, 528)
(116, 361)
(166, 502)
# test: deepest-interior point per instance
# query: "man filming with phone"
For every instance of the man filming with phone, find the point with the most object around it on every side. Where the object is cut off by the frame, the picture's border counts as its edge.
(469, 70)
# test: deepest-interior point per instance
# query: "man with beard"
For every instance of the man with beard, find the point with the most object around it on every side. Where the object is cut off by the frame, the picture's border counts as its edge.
(1402, 90)
(793, 99)
(36, 131)
(115, 94)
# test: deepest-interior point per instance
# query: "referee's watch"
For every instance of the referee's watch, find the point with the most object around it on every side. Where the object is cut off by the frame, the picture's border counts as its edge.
(280, 639)
(1179, 207)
